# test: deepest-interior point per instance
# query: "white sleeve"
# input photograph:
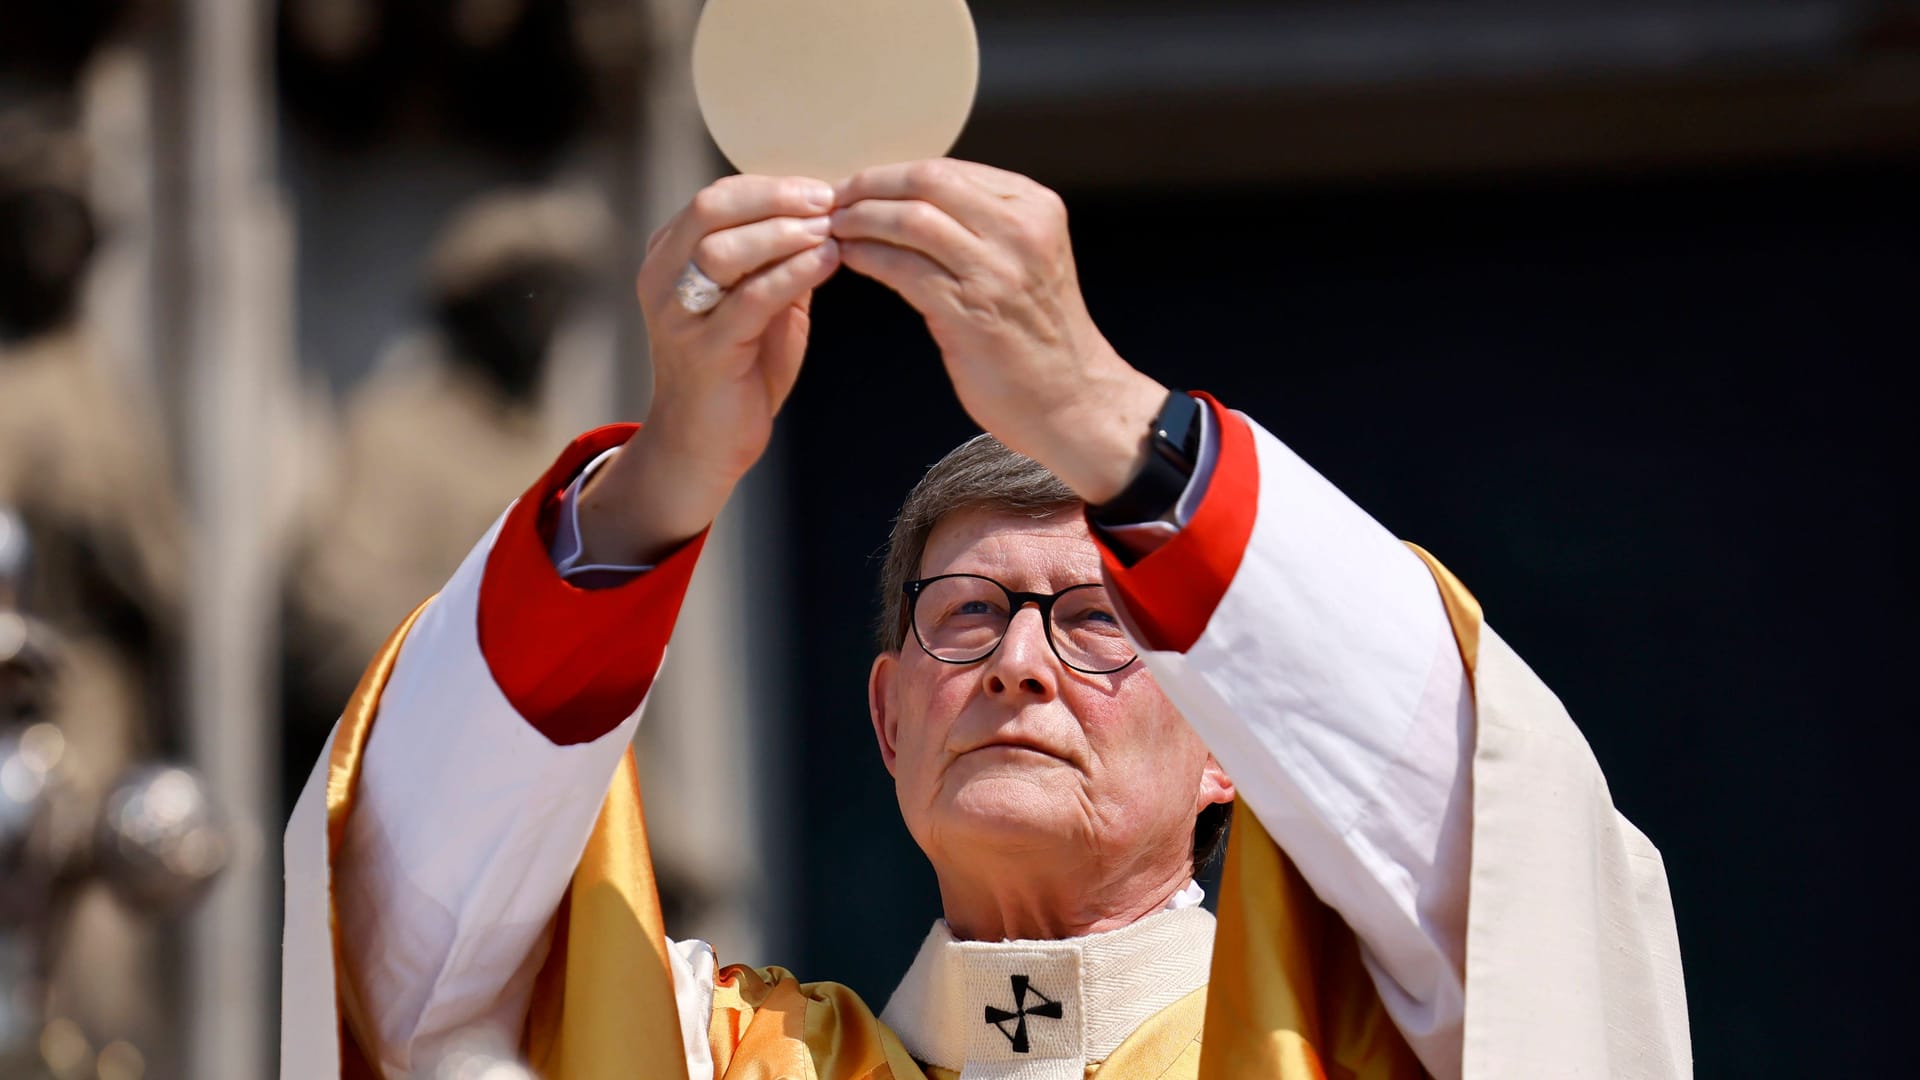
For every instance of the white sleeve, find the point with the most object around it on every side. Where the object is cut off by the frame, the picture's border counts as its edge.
(1328, 684)
(466, 831)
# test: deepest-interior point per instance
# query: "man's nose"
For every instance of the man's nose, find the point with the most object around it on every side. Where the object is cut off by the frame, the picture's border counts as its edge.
(1024, 663)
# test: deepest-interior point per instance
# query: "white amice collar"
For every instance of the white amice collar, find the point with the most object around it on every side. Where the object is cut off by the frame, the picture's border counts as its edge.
(1045, 1010)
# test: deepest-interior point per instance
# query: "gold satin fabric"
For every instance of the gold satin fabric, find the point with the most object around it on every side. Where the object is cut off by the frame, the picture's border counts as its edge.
(1288, 996)
(1463, 610)
(343, 778)
(768, 1025)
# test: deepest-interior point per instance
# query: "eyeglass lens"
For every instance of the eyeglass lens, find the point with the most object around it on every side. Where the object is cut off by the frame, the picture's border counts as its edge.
(962, 619)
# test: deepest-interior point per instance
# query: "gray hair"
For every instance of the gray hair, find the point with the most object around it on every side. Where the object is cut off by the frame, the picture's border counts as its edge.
(983, 474)
(980, 474)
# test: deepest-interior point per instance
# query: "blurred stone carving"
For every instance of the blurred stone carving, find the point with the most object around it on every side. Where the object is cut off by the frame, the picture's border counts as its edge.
(52, 41)
(342, 65)
(82, 460)
(512, 74)
(437, 442)
(46, 229)
(84, 465)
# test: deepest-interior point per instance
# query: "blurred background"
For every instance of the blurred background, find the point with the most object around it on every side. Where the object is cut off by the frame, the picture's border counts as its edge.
(1604, 303)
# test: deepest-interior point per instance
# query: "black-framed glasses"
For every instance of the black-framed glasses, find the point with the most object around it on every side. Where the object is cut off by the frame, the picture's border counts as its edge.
(962, 618)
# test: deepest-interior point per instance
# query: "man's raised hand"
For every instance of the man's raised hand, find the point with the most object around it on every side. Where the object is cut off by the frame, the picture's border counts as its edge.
(985, 257)
(720, 377)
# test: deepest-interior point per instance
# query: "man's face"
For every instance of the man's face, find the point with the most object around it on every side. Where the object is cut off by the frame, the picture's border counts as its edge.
(1019, 756)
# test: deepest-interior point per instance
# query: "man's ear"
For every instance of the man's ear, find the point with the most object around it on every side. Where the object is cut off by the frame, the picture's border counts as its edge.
(883, 704)
(1215, 786)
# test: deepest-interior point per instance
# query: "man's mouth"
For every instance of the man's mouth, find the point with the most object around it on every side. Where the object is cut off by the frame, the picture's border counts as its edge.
(1015, 744)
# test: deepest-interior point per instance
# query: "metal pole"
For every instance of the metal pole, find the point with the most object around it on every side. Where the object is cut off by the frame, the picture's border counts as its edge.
(236, 339)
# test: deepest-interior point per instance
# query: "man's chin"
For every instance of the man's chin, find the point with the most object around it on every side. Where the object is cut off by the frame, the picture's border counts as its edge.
(1031, 805)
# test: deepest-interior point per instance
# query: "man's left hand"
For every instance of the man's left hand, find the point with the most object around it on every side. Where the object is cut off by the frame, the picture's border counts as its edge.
(984, 256)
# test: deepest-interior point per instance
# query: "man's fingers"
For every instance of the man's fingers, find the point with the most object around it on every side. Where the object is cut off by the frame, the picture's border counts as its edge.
(749, 306)
(659, 234)
(919, 280)
(737, 200)
(953, 186)
(725, 204)
(914, 224)
(729, 255)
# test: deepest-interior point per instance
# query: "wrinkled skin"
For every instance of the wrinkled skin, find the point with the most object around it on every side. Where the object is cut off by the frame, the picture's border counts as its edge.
(1051, 802)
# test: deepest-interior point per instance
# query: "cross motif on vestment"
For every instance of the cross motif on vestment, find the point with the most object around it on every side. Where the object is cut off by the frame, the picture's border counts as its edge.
(1000, 1018)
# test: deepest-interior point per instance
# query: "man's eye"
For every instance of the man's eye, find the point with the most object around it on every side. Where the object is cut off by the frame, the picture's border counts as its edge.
(1093, 621)
(974, 607)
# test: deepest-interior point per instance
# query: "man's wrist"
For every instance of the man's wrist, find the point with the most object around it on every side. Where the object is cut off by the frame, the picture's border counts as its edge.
(1154, 494)
(1101, 447)
(644, 503)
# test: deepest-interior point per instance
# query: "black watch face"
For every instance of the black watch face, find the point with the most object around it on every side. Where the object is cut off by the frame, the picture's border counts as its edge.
(1177, 429)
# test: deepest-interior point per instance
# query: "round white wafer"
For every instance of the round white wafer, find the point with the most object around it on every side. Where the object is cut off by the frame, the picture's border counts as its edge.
(825, 88)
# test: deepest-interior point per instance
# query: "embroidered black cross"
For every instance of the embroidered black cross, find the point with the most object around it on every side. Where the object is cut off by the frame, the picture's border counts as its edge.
(1000, 1018)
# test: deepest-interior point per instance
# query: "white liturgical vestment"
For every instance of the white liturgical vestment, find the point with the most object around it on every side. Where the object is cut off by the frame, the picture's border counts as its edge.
(1323, 674)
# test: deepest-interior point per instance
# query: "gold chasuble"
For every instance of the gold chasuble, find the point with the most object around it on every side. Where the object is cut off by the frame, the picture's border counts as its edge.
(1288, 995)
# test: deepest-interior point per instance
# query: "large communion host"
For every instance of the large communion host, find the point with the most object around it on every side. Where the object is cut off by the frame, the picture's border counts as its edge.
(1122, 612)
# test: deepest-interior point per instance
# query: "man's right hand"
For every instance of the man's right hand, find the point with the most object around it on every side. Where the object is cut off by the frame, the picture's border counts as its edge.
(718, 378)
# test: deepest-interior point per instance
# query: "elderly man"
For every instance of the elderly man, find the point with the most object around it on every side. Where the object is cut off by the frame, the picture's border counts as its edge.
(1126, 610)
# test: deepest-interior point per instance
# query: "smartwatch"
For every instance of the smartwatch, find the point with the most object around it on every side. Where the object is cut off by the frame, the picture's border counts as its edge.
(1173, 451)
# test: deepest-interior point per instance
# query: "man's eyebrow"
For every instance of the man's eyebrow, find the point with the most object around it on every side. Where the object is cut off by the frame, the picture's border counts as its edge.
(1050, 578)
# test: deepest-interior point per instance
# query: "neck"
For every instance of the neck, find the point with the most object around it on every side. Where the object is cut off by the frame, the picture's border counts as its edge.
(1044, 900)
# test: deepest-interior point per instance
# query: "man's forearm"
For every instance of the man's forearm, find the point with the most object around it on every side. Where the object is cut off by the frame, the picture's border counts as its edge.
(1097, 442)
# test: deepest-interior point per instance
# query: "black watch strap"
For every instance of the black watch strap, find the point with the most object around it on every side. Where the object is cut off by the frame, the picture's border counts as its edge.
(1173, 452)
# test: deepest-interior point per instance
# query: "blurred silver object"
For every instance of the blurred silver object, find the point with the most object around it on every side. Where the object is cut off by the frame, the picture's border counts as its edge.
(32, 852)
(19, 1018)
(159, 841)
(155, 839)
(14, 551)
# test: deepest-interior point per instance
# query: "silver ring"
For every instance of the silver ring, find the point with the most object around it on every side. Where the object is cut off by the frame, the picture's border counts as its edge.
(698, 293)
